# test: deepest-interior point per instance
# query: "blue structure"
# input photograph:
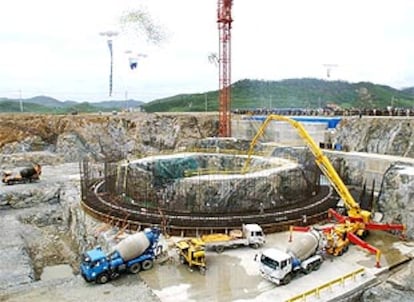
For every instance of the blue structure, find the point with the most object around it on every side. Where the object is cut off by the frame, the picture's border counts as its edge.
(332, 122)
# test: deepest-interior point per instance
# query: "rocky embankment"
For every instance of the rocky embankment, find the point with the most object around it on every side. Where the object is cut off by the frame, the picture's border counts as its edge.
(381, 135)
(69, 138)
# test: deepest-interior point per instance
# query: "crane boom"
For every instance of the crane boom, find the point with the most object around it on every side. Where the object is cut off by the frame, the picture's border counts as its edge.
(354, 210)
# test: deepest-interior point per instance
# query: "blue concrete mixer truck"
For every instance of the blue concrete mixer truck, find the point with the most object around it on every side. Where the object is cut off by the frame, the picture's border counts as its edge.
(134, 253)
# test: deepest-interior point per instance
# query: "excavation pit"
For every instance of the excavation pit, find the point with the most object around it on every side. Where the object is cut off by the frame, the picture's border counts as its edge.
(210, 182)
(206, 191)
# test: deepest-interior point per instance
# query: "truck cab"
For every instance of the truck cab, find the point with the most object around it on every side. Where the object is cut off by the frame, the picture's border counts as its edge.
(276, 266)
(254, 235)
(94, 262)
(280, 267)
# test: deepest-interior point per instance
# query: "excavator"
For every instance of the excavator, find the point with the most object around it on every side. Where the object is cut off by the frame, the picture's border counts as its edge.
(350, 228)
(28, 174)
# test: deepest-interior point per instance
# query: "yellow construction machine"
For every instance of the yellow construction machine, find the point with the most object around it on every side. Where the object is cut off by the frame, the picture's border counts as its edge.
(192, 252)
(352, 228)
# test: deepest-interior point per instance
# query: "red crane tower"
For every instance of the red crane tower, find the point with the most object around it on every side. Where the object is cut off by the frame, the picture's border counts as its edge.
(224, 25)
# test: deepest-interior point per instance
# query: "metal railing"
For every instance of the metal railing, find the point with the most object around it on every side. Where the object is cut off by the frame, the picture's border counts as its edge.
(317, 291)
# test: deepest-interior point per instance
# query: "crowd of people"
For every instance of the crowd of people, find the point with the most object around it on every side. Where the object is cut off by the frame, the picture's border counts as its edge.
(327, 112)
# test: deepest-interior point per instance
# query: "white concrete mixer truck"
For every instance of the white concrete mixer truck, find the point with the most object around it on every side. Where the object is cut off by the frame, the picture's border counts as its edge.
(132, 254)
(302, 256)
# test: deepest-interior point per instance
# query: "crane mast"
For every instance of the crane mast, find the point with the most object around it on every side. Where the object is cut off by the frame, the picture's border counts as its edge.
(224, 25)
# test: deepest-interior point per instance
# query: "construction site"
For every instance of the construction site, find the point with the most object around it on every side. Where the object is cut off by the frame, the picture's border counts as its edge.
(207, 207)
(214, 210)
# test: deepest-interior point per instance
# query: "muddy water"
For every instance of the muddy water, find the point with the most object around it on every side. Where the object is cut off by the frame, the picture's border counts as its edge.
(225, 280)
(390, 256)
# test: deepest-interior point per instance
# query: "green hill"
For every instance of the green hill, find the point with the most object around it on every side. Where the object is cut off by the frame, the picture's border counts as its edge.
(409, 90)
(10, 106)
(45, 104)
(246, 94)
(292, 93)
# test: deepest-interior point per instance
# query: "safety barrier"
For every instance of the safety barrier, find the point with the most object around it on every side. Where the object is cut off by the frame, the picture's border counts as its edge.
(317, 291)
(207, 171)
(225, 151)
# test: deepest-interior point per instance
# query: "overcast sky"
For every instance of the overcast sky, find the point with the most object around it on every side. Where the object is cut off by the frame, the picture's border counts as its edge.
(53, 47)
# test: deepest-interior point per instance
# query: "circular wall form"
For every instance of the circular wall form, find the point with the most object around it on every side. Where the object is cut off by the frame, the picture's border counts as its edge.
(190, 193)
(213, 183)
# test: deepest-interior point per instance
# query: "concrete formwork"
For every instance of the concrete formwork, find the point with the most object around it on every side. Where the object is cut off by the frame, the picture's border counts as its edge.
(372, 166)
(278, 132)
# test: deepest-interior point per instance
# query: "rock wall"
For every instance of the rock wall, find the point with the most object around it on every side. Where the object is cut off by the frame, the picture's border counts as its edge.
(392, 136)
(396, 199)
(164, 181)
(70, 138)
(261, 191)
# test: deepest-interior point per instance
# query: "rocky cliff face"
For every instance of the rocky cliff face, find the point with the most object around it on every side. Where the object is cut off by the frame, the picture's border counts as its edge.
(396, 198)
(72, 137)
(392, 136)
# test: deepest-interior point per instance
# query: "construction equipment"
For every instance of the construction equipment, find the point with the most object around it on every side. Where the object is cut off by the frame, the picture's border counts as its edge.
(132, 254)
(192, 252)
(250, 235)
(349, 229)
(224, 21)
(303, 256)
(25, 175)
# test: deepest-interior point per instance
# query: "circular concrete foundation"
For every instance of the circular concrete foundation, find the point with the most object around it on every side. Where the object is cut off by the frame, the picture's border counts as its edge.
(213, 183)
(189, 193)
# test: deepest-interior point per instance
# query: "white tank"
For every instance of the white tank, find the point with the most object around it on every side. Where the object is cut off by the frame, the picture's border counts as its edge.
(304, 245)
(132, 246)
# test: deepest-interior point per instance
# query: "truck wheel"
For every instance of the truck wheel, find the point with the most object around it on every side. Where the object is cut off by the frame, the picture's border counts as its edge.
(307, 269)
(219, 249)
(147, 264)
(102, 278)
(135, 268)
(317, 265)
(182, 259)
(287, 279)
(346, 249)
(255, 246)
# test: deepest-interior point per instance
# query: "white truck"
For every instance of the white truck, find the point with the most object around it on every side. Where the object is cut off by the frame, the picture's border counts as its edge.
(303, 256)
(250, 235)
